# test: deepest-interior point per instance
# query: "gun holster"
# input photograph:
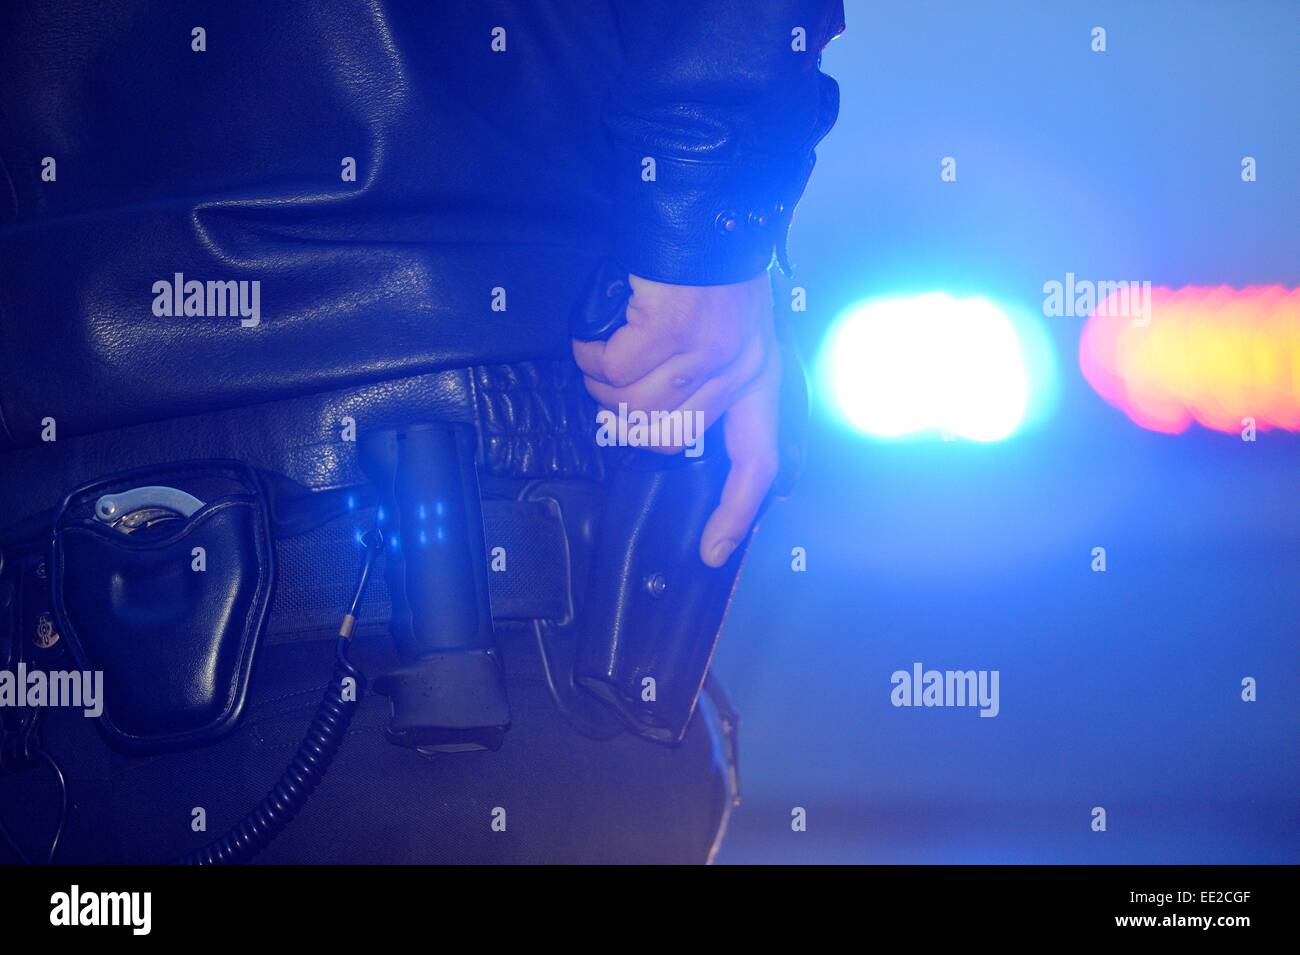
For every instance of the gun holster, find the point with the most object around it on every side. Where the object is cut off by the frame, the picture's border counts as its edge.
(654, 613)
(654, 609)
(603, 563)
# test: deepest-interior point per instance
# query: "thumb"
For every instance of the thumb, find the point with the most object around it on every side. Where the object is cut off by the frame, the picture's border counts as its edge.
(750, 430)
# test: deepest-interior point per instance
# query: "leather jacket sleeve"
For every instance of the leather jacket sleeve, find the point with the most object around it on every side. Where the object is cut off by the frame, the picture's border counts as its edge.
(714, 121)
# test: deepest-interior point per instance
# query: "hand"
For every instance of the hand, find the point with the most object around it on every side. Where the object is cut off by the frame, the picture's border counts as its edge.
(705, 348)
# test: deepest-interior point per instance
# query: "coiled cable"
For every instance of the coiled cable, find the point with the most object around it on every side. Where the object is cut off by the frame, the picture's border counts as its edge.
(246, 838)
(255, 831)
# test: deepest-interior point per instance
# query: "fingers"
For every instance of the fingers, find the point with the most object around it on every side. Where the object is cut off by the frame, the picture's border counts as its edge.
(708, 351)
(751, 430)
(660, 387)
(630, 354)
(707, 324)
(671, 385)
(671, 388)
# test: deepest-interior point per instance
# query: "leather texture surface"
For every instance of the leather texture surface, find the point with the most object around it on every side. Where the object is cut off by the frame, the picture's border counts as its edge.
(655, 615)
(727, 98)
(534, 421)
(175, 643)
(488, 184)
(436, 285)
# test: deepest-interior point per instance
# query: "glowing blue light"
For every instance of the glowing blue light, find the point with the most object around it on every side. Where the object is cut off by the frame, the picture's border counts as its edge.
(929, 363)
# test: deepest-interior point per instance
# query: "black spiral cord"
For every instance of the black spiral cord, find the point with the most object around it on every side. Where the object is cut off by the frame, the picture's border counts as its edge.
(255, 831)
(20, 750)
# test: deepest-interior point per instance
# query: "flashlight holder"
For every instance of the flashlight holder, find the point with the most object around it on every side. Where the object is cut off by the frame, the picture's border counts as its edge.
(448, 693)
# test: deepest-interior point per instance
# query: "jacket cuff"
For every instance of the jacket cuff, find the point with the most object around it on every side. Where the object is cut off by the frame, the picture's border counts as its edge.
(704, 223)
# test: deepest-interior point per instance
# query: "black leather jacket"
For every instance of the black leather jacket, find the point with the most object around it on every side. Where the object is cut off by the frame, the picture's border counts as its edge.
(488, 182)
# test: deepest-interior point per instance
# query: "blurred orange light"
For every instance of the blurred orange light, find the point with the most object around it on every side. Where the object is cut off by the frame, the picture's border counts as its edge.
(1215, 356)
